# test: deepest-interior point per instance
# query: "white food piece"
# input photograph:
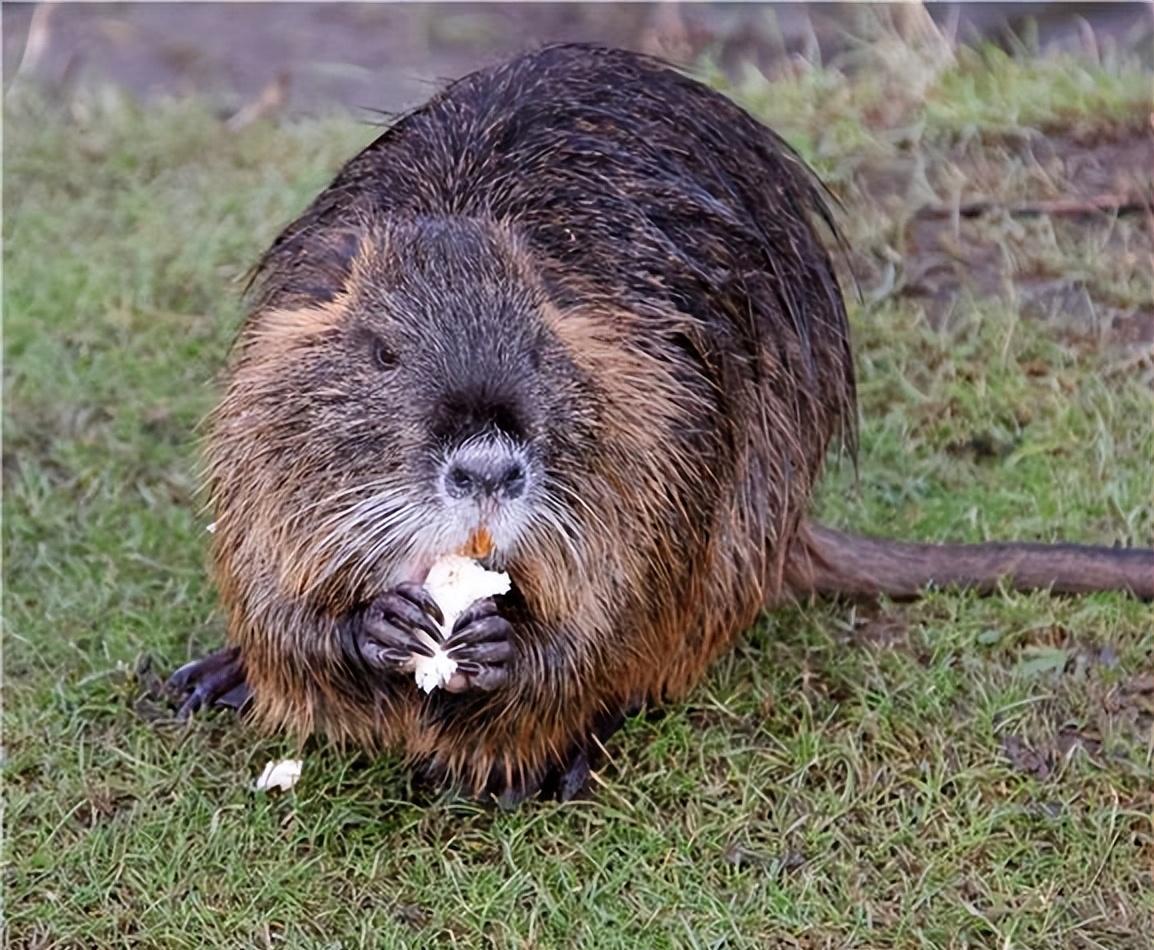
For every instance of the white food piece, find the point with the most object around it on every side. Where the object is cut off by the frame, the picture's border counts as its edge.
(283, 775)
(433, 671)
(455, 583)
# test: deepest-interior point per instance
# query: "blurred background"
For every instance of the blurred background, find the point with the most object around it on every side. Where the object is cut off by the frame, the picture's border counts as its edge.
(308, 57)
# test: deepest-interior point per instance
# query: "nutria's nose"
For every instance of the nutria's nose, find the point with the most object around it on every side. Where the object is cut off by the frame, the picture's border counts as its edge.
(485, 470)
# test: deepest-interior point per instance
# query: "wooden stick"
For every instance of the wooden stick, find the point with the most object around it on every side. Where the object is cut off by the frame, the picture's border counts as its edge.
(1096, 204)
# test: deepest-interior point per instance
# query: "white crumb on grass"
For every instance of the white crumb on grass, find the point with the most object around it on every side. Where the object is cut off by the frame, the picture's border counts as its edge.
(455, 583)
(283, 775)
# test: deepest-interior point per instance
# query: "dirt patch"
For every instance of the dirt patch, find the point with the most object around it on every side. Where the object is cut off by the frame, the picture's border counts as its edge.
(881, 629)
(1007, 219)
(1097, 709)
(1027, 759)
(1041, 760)
(1132, 702)
(1070, 162)
(1056, 650)
(102, 805)
(742, 857)
(1071, 739)
(885, 629)
(984, 446)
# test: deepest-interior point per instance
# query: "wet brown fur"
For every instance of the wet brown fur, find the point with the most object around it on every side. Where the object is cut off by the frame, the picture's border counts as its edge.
(699, 324)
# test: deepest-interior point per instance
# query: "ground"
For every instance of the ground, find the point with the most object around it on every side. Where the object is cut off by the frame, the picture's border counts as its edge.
(956, 772)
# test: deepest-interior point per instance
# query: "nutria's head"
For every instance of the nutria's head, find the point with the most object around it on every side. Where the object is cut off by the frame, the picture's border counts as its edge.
(410, 399)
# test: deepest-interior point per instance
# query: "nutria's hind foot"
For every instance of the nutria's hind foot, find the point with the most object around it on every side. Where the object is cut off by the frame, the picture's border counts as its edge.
(575, 779)
(572, 779)
(386, 634)
(482, 645)
(569, 779)
(215, 680)
(563, 781)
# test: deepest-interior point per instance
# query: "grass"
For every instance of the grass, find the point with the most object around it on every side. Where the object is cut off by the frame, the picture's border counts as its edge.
(957, 772)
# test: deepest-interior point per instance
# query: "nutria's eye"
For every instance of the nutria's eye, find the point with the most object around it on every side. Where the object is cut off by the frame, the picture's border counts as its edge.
(383, 357)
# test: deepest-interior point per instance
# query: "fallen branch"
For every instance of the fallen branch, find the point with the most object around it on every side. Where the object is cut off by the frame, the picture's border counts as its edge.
(1096, 204)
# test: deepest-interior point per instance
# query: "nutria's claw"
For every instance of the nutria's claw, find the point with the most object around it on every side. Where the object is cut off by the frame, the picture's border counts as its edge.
(407, 606)
(396, 626)
(482, 645)
(574, 780)
(217, 679)
(423, 599)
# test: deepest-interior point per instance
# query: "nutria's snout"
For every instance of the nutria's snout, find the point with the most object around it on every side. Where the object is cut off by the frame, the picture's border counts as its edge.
(487, 469)
(488, 483)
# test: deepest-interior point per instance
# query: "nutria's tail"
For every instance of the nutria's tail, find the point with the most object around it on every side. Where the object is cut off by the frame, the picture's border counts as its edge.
(831, 563)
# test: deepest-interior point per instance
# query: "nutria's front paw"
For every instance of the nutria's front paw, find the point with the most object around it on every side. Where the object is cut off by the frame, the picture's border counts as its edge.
(394, 627)
(482, 645)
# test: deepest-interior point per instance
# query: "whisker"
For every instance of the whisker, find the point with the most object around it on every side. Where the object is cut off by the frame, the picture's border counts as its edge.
(386, 482)
(363, 532)
(598, 521)
(558, 519)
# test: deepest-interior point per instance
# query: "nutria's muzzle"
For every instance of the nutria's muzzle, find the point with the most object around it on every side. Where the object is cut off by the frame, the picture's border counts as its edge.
(485, 469)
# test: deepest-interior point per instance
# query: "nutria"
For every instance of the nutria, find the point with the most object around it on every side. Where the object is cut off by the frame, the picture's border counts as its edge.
(580, 302)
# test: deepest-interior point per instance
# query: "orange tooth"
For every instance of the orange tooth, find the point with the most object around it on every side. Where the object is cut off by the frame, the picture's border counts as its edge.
(479, 545)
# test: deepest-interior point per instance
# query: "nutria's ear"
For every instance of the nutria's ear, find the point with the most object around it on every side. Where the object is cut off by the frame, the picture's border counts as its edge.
(325, 261)
(307, 267)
